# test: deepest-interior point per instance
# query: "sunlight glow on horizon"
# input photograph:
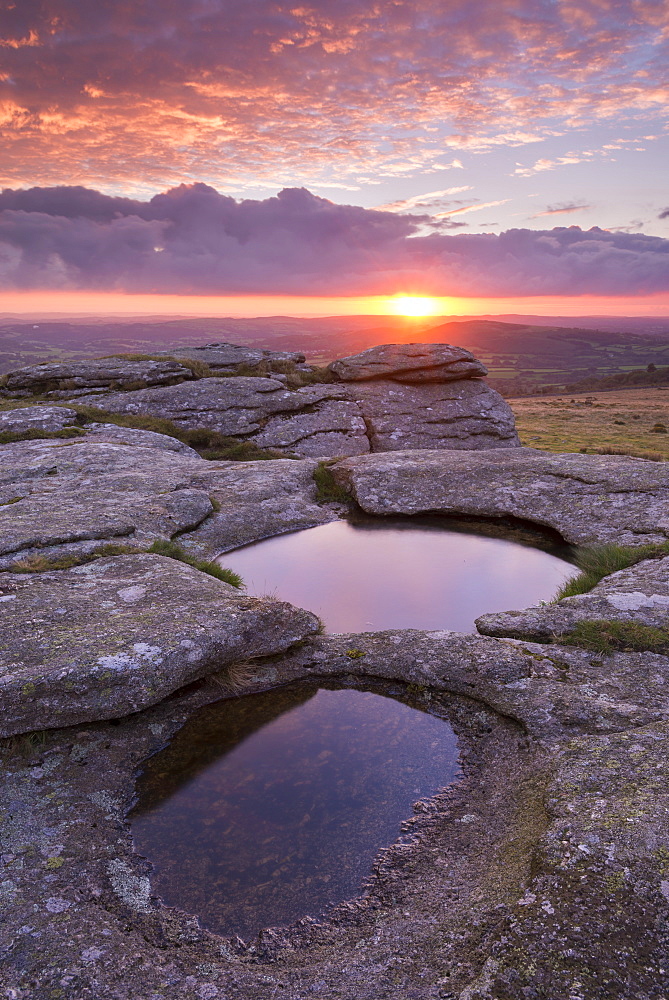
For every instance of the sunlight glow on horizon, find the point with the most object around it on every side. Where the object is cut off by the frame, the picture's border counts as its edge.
(119, 304)
(416, 305)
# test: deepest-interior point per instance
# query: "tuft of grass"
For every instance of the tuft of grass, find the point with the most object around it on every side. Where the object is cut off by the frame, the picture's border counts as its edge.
(597, 561)
(174, 551)
(328, 490)
(603, 636)
(27, 744)
(33, 434)
(43, 564)
(234, 678)
(650, 456)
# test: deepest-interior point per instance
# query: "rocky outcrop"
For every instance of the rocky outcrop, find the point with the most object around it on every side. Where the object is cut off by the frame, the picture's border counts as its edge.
(388, 398)
(411, 363)
(114, 636)
(66, 498)
(451, 415)
(317, 420)
(222, 357)
(638, 594)
(541, 873)
(49, 419)
(586, 498)
(73, 378)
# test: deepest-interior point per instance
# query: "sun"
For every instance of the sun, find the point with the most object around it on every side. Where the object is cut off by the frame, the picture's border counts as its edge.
(414, 305)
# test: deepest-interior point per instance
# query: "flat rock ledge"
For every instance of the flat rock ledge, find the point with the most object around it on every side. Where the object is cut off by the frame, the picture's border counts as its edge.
(588, 499)
(68, 497)
(637, 594)
(114, 636)
(413, 363)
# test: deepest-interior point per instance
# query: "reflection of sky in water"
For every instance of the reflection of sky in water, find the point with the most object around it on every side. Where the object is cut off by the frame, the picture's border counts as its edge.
(365, 578)
(266, 808)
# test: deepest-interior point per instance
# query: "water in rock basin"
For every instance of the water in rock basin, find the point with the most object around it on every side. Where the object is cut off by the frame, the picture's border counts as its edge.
(374, 574)
(271, 807)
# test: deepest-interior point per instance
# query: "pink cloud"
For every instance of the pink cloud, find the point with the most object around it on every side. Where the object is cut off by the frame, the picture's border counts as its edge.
(193, 240)
(108, 93)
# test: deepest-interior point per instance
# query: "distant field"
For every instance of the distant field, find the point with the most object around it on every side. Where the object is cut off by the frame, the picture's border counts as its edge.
(621, 420)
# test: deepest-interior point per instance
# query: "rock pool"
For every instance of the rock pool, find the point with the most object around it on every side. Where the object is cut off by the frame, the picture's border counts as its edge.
(267, 808)
(370, 574)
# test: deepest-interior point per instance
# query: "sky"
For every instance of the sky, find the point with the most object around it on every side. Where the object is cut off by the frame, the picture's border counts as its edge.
(334, 155)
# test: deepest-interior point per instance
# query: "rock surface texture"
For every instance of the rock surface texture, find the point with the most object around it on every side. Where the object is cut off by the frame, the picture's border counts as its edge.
(73, 378)
(388, 398)
(542, 874)
(588, 499)
(412, 363)
(66, 498)
(637, 594)
(122, 633)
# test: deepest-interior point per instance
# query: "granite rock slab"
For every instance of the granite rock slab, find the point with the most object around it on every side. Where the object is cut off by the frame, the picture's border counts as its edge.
(639, 593)
(225, 357)
(68, 497)
(111, 637)
(466, 414)
(49, 419)
(412, 363)
(100, 374)
(319, 420)
(588, 499)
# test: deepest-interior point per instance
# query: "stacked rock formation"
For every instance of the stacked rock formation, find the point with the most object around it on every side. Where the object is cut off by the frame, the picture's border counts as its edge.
(388, 398)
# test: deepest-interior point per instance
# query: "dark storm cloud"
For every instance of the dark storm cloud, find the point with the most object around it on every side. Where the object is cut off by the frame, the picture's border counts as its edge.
(192, 239)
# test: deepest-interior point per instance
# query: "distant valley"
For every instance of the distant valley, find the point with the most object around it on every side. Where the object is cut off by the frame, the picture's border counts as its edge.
(523, 358)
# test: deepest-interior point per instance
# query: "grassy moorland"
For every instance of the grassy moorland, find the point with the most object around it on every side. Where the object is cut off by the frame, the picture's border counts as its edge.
(631, 421)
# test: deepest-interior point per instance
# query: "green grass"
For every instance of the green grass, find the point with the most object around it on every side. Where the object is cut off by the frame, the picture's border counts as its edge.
(33, 434)
(43, 564)
(603, 636)
(597, 561)
(174, 551)
(328, 490)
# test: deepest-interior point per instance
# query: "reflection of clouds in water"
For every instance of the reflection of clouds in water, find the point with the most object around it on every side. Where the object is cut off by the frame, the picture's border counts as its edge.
(359, 578)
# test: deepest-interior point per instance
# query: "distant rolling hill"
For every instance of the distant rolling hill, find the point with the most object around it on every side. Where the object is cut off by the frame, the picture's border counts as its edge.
(522, 357)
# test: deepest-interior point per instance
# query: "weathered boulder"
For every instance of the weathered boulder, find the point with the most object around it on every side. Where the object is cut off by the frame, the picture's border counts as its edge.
(559, 823)
(412, 363)
(49, 419)
(332, 420)
(53, 419)
(586, 498)
(114, 434)
(637, 594)
(72, 378)
(466, 414)
(119, 634)
(316, 420)
(222, 357)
